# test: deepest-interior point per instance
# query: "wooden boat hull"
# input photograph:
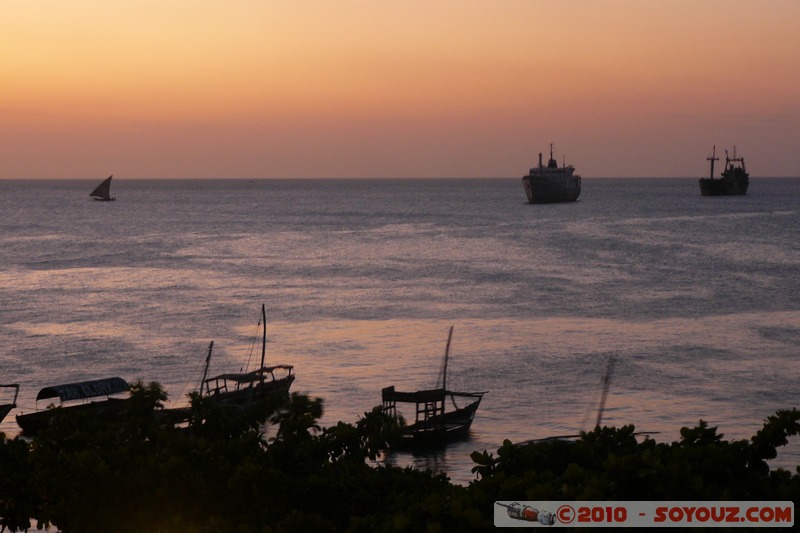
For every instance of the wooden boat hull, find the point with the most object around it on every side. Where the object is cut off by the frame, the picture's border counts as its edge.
(450, 427)
(434, 425)
(237, 398)
(32, 423)
(248, 395)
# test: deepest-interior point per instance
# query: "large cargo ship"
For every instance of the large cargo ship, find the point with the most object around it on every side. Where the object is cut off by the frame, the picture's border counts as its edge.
(734, 179)
(551, 183)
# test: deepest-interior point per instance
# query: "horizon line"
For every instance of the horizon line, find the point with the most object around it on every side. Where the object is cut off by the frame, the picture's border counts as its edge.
(278, 178)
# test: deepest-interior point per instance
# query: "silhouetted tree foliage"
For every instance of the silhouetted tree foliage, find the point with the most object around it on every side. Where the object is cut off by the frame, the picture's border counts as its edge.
(610, 464)
(219, 472)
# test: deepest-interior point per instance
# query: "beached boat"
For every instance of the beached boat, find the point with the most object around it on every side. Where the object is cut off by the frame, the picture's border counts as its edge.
(551, 183)
(574, 437)
(436, 423)
(605, 385)
(242, 389)
(733, 181)
(74, 398)
(6, 408)
(102, 192)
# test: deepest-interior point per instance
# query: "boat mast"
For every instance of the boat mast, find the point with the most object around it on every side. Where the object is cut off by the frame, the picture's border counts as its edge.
(738, 159)
(446, 355)
(712, 159)
(208, 362)
(606, 384)
(264, 337)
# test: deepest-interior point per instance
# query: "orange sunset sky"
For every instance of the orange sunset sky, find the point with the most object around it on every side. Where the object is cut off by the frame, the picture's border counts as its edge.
(370, 88)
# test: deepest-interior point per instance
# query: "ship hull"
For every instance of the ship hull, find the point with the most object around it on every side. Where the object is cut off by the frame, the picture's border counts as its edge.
(722, 187)
(551, 189)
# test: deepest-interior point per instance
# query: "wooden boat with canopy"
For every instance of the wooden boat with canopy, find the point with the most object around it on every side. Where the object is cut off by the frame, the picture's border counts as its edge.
(438, 417)
(239, 390)
(77, 397)
(244, 388)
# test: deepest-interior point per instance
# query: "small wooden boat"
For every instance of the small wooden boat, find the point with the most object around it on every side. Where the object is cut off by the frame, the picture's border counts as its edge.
(242, 389)
(102, 193)
(573, 438)
(239, 390)
(76, 397)
(6, 408)
(436, 423)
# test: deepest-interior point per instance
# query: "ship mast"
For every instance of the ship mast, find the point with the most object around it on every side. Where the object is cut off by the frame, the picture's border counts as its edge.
(264, 336)
(205, 371)
(606, 384)
(737, 159)
(446, 356)
(712, 159)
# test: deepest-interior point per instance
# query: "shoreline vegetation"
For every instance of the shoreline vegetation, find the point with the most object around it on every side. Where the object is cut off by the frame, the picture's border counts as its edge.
(219, 472)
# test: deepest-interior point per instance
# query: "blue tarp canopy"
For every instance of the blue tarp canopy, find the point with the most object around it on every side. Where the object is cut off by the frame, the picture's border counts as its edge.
(84, 389)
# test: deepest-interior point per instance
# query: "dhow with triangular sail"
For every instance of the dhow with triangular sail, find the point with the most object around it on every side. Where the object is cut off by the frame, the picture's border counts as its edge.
(102, 193)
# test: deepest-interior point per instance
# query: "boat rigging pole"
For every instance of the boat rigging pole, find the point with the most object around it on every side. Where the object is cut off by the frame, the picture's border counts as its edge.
(606, 384)
(446, 355)
(264, 337)
(205, 370)
(712, 159)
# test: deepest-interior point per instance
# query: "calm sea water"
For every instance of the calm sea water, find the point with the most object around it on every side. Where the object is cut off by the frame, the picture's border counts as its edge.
(697, 299)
